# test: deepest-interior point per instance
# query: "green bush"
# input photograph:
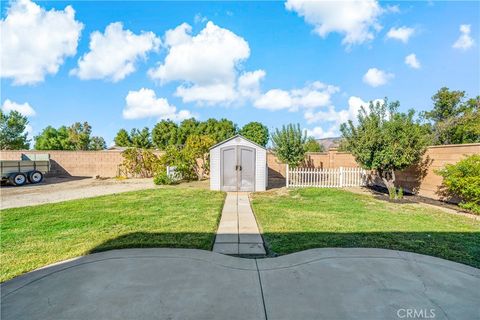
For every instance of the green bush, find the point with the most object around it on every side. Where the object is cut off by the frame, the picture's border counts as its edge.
(162, 178)
(463, 180)
(139, 162)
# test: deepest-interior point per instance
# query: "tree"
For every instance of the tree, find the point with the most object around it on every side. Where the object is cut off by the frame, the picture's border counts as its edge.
(289, 144)
(12, 131)
(454, 120)
(218, 130)
(141, 138)
(79, 135)
(97, 143)
(165, 133)
(53, 139)
(122, 139)
(311, 145)
(196, 150)
(385, 140)
(187, 128)
(256, 132)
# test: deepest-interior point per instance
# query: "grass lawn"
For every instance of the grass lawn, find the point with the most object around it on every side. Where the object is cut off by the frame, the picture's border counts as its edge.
(32, 237)
(301, 219)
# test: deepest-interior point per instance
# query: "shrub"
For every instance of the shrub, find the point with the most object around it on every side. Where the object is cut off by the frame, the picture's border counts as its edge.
(162, 178)
(175, 156)
(140, 163)
(463, 180)
(289, 144)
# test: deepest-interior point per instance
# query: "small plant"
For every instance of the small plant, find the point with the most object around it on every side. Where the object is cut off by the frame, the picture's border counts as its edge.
(162, 178)
(463, 180)
(395, 193)
(400, 193)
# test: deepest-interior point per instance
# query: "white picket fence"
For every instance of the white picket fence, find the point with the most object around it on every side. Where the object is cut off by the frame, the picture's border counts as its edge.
(326, 178)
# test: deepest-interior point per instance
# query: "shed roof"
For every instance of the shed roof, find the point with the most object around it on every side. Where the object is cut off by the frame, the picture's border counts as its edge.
(237, 136)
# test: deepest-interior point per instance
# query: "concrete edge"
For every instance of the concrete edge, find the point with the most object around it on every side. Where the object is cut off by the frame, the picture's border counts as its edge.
(265, 264)
(167, 253)
(316, 255)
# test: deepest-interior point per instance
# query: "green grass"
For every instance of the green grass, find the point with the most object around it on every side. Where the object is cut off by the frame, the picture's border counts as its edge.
(32, 237)
(316, 218)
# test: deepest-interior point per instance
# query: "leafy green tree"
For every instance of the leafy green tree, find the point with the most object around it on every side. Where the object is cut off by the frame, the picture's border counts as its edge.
(256, 132)
(197, 151)
(219, 130)
(122, 139)
(53, 139)
(289, 144)
(141, 138)
(97, 143)
(312, 145)
(165, 133)
(386, 140)
(454, 119)
(187, 128)
(12, 131)
(79, 135)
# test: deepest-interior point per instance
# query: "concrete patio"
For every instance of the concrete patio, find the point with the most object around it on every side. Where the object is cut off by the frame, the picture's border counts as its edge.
(196, 284)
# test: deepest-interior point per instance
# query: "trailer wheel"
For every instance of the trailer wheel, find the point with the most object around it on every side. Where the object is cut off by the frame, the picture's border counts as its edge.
(35, 176)
(18, 179)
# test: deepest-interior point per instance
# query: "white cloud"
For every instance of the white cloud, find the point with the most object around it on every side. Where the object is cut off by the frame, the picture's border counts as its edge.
(314, 95)
(35, 42)
(412, 61)
(465, 41)
(29, 131)
(336, 118)
(376, 77)
(274, 99)
(113, 54)
(144, 104)
(319, 133)
(24, 108)
(356, 19)
(403, 33)
(204, 62)
(249, 83)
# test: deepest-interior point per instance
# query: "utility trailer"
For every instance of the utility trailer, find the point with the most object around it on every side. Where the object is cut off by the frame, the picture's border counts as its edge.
(31, 168)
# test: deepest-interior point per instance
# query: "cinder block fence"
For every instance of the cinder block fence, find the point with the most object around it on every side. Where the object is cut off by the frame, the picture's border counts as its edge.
(420, 179)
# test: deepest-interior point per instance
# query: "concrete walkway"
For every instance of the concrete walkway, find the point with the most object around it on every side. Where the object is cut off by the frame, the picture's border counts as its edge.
(238, 232)
(196, 284)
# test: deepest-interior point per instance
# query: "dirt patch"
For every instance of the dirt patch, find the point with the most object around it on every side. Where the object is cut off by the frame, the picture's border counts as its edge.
(61, 189)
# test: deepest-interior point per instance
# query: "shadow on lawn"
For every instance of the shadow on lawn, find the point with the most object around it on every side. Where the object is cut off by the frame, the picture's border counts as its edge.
(463, 247)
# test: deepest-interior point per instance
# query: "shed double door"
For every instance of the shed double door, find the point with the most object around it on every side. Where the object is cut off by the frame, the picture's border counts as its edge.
(238, 168)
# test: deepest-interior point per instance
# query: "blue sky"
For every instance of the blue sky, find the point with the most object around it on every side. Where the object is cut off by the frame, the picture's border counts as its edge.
(312, 63)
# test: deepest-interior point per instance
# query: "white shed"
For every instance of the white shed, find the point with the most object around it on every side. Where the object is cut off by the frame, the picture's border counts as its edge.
(238, 164)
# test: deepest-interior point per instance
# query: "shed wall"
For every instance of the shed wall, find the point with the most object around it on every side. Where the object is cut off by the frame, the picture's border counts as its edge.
(261, 176)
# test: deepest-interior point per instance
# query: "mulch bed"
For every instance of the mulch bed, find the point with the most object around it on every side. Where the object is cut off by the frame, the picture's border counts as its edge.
(381, 193)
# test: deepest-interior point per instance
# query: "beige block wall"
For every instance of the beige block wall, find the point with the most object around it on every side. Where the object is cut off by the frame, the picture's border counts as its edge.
(420, 179)
(76, 163)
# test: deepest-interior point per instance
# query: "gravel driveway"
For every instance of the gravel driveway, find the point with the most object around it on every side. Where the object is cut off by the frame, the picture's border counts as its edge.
(61, 189)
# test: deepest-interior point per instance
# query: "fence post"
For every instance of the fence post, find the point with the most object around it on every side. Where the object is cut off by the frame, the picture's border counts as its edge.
(287, 174)
(341, 177)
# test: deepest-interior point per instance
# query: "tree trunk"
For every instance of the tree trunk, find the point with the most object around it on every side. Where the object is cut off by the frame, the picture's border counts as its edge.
(388, 178)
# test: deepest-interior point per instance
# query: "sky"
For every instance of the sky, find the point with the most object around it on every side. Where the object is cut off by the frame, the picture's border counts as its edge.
(131, 64)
